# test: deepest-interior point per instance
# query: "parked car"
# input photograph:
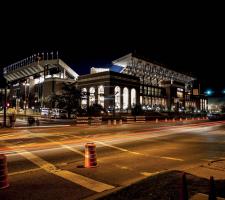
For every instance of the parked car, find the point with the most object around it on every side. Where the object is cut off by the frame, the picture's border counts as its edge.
(58, 113)
(45, 112)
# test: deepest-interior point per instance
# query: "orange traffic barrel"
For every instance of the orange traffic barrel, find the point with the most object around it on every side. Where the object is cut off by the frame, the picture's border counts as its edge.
(90, 155)
(156, 120)
(3, 172)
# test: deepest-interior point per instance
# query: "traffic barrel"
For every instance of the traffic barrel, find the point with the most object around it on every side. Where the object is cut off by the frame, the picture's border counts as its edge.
(121, 121)
(114, 122)
(3, 172)
(156, 120)
(90, 155)
(181, 119)
(165, 119)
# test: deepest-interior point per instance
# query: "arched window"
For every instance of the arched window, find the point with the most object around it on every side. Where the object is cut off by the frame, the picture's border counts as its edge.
(125, 98)
(117, 97)
(101, 95)
(92, 96)
(84, 98)
(133, 97)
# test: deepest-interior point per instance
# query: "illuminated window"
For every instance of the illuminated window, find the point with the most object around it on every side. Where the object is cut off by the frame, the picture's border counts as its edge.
(133, 97)
(117, 97)
(141, 100)
(125, 98)
(180, 93)
(84, 98)
(101, 95)
(92, 96)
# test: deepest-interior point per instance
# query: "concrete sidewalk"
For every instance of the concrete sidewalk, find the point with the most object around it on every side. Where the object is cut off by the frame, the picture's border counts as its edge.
(214, 168)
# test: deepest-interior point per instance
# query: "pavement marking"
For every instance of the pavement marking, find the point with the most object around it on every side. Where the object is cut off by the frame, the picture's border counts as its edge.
(24, 171)
(70, 176)
(65, 146)
(207, 160)
(41, 126)
(123, 167)
(171, 158)
(60, 144)
(146, 173)
(118, 148)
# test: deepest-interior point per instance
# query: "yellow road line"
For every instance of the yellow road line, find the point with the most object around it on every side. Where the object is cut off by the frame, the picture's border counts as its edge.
(171, 158)
(24, 171)
(118, 148)
(70, 176)
(146, 173)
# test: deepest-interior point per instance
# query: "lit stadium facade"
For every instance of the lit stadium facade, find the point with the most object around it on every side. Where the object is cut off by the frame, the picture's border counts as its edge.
(129, 81)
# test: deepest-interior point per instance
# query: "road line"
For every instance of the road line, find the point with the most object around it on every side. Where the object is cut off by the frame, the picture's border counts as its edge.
(146, 173)
(65, 146)
(171, 158)
(41, 126)
(24, 171)
(118, 148)
(61, 144)
(67, 175)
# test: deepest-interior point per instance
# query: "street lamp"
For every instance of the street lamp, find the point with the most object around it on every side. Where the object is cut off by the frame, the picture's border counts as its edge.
(25, 97)
(209, 92)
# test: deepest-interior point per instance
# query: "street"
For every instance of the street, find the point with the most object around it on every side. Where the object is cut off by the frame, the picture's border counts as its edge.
(48, 162)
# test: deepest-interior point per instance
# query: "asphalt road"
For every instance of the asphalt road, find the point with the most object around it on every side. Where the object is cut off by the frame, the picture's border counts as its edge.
(47, 163)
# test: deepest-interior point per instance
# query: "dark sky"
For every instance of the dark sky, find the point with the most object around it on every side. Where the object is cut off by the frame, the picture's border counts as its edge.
(185, 37)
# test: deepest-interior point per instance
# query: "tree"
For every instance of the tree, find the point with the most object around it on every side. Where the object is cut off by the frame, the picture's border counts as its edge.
(95, 110)
(69, 100)
(222, 108)
(137, 110)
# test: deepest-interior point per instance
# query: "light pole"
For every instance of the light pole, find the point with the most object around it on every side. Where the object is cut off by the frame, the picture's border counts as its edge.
(25, 97)
(5, 106)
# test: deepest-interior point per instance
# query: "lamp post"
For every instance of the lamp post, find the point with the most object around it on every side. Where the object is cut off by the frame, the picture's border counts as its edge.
(25, 97)
(5, 106)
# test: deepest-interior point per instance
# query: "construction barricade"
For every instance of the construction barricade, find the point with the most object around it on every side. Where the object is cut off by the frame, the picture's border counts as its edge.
(140, 119)
(96, 121)
(130, 119)
(82, 121)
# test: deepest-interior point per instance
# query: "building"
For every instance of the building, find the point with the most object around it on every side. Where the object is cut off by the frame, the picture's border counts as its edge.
(110, 89)
(129, 81)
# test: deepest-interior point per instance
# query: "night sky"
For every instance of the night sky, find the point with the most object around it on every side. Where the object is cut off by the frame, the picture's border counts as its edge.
(187, 38)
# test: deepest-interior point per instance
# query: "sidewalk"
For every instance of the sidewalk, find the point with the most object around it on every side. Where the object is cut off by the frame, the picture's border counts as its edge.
(167, 185)
(214, 168)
